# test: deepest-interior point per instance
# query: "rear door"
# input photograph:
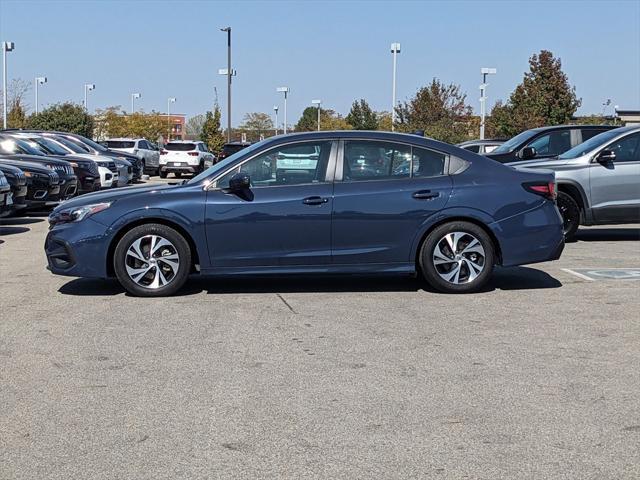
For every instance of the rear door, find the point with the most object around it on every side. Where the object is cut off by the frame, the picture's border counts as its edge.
(615, 185)
(383, 192)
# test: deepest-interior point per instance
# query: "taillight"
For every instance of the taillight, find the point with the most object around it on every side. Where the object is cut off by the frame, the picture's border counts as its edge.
(547, 190)
(163, 152)
(193, 154)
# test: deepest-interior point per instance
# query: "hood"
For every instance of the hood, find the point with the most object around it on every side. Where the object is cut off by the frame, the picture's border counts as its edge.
(112, 196)
(544, 163)
(42, 160)
(24, 165)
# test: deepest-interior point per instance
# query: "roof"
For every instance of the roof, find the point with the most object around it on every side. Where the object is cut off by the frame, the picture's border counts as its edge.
(482, 142)
(561, 127)
(185, 141)
(125, 139)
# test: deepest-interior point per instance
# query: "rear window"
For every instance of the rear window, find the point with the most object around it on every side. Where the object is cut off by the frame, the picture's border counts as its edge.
(231, 149)
(591, 132)
(180, 147)
(120, 144)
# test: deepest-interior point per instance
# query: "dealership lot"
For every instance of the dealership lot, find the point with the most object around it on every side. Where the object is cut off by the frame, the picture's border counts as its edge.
(333, 378)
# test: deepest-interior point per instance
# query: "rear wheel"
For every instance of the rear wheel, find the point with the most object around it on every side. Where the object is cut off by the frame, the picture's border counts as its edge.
(178, 174)
(163, 174)
(457, 257)
(152, 260)
(570, 212)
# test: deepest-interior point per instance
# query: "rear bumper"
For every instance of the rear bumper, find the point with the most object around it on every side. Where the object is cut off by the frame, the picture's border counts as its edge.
(179, 168)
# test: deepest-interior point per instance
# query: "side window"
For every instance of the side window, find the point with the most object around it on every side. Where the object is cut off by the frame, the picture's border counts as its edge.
(427, 163)
(371, 160)
(627, 149)
(490, 148)
(293, 164)
(143, 145)
(553, 143)
(473, 148)
(590, 132)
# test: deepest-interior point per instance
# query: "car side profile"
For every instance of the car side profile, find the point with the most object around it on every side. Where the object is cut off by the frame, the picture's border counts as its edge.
(598, 180)
(365, 202)
(140, 147)
(184, 156)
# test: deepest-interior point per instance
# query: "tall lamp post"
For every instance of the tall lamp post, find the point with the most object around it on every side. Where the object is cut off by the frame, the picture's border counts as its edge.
(133, 99)
(38, 81)
(483, 97)
(229, 74)
(6, 47)
(318, 103)
(87, 88)
(170, 100)
(284, 90)
(395, 50)
(275, 109)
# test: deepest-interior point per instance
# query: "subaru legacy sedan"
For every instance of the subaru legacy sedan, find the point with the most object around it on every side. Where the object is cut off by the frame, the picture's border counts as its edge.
(361, 203)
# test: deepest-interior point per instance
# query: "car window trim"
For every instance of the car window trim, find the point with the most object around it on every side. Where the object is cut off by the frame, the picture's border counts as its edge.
(594, 153)
(329, 174)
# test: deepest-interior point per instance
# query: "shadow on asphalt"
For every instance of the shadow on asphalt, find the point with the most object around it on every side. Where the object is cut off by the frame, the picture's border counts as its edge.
(608, 235)
(12, 230)
(515, 278)
(20, 221)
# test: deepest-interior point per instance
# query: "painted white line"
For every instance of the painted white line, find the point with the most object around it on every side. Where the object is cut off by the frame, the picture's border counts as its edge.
(579, 275)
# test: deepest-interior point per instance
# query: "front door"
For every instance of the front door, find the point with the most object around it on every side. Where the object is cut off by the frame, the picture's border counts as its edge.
(285, 217)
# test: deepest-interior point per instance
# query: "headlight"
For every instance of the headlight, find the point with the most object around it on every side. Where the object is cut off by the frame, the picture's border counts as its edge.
(77, 214)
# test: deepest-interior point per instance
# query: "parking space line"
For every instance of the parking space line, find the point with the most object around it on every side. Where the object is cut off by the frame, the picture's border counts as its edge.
(579, 275)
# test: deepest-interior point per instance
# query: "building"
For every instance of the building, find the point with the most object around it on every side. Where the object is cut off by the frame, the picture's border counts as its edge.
(176, 126)
(628, 117)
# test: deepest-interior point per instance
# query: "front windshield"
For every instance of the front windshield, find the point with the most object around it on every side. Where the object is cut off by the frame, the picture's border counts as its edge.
(221, 166)
(512, 143)
(71, 145)
(591, 144)
(16, 145)
(49, 146)
(92, 144)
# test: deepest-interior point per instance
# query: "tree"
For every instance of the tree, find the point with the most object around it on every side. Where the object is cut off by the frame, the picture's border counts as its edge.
(329, 120)
(543, 98)
(384, 121)
(361, 117)
(64, 117)
(440, 110)
(16, 106)
(211, 132)
(257, 123)
(194, 126)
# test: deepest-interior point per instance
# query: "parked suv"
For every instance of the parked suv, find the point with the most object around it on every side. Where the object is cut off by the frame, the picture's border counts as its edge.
(544, 142)
(18, 183)
(481, 146)
(599, 180)
(230, 148)
(142, 148)
(182, 156)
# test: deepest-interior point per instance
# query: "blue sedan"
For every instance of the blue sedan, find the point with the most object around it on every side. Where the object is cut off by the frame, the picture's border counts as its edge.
(316, 203)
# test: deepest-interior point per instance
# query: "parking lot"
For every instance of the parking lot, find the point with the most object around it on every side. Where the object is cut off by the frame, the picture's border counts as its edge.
(537, 377)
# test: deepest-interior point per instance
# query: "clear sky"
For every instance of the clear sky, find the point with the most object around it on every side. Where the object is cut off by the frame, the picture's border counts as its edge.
(331, 50)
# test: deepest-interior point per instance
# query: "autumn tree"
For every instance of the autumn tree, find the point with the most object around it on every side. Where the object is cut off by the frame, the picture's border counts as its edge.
(361, 117)
(16, 104)
(63, 117)
(211, 131)
(544, 97)
(384, 121)
(329, 120)
(438, 109)
(256, 124)
(194, 126)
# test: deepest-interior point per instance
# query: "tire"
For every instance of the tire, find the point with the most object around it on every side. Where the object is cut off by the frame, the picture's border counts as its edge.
(160, 274)
(177, 174)
(465, 269)
(570, 212)
(163, 174)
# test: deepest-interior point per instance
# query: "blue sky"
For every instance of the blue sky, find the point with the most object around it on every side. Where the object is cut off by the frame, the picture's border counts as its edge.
(335, 51)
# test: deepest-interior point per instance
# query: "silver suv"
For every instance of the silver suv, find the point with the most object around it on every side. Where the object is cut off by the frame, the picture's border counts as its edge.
(598, 180)
(140, 147)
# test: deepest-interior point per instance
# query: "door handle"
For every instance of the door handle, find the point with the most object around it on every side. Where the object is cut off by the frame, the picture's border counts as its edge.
(425, 195)
(315, 200)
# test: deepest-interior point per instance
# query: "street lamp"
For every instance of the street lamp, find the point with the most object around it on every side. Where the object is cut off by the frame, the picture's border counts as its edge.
(39, 81)
(395, 50)
(87, 88)
(483, 97)
(6, 47)
(133, 98)
(317, 102)
(284, 90)
(170, 100)
(275, 109)
(229, 74)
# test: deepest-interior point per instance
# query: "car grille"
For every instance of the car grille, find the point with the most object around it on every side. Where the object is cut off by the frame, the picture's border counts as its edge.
(21, 178)
(55, 179)
(93, 168)
(66, 169)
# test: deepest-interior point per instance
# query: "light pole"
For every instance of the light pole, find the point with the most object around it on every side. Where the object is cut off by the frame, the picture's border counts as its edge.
(275, 109)
(87, 88)
(6, 47)
(229, 74)
(170, 100)
(284, 90)
(483, 97)
(133, 98)
(317, 102)
(395, 50)
(38, 81)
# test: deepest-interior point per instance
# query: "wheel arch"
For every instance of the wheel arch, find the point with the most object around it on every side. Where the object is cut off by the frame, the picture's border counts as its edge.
(576, 192)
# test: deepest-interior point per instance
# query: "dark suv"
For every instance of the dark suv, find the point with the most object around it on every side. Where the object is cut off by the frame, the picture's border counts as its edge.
(545, 142)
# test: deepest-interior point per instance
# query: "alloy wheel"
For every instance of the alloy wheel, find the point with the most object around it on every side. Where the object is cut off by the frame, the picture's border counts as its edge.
(152, 261)
(459, 257)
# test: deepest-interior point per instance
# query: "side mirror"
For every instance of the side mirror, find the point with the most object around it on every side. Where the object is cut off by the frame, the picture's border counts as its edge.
(606, 156)
(239, 182)
(527, 153)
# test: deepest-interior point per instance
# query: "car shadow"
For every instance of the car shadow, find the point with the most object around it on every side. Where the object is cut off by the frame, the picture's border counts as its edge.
(20, 221)
(12, 230)
(608, 235)
(513, 278)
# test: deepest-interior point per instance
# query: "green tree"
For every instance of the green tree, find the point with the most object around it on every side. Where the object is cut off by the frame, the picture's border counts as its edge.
(211, 131)
(384, 121)
(438, 109)
(361, 117)
(329, 120)
(64, 117)
(544, 97)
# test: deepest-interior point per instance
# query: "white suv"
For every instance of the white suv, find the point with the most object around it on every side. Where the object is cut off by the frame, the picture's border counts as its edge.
(140, 147)
(183, 156)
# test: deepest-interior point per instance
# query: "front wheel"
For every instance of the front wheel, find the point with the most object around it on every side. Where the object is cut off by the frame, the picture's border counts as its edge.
(457, 257)
(570, 212)
(163, 174)
(152, 260)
